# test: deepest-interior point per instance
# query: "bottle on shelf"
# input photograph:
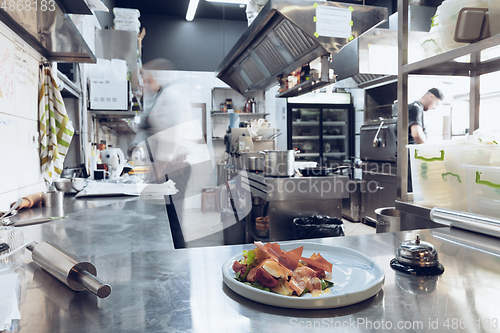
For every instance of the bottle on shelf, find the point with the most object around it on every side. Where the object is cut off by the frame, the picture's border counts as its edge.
(229, 105)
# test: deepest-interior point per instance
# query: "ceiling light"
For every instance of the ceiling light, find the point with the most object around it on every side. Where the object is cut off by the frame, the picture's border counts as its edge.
(193, 5)
(236, 2)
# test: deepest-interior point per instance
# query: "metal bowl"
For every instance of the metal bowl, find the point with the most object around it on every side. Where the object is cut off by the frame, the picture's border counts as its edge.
(68, 185)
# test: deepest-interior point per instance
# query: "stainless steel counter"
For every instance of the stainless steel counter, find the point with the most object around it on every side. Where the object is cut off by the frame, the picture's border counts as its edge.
(157, 289)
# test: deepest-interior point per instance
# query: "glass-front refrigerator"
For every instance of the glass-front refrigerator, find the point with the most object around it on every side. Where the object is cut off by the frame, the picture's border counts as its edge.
(322, 133)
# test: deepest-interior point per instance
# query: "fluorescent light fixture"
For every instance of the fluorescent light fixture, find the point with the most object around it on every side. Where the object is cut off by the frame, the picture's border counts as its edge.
(193, 5)
(236, 2)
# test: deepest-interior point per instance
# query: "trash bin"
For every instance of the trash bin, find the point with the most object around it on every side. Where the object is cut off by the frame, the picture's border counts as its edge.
(317, 226)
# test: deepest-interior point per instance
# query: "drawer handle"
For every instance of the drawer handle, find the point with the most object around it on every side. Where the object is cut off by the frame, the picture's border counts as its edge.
(430, 159)
(451, 174)
(485, 182)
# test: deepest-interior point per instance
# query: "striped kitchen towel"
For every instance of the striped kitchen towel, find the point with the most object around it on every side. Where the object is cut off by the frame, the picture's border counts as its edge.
(56, 130)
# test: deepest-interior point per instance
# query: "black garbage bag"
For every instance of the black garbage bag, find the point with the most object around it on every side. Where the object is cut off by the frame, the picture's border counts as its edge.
(317, 226)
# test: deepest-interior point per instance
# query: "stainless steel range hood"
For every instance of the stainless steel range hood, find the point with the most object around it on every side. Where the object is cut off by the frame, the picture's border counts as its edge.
(288, 34)
(51, 32)
(372, 59)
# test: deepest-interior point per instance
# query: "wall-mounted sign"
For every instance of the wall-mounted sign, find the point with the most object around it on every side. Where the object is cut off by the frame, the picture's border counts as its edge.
(333, 22)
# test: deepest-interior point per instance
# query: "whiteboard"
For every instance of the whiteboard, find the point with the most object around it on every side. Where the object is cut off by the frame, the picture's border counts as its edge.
(18, 77)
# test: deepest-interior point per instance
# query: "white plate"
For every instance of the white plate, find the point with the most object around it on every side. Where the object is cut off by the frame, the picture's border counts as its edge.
(356, 278)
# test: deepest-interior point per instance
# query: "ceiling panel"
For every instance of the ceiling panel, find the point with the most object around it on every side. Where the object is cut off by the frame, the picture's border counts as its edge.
(178, 8)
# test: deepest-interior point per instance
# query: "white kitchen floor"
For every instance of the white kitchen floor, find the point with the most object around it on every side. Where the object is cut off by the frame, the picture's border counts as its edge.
(206, 230)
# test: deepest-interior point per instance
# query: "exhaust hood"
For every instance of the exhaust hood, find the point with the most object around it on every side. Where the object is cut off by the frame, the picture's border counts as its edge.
(372, 59)
(288, 34)
(51, 32)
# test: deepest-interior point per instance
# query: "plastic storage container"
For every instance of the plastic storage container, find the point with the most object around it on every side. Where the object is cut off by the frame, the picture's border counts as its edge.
(437, 174)
(494, 9)
(483, 189)
(446, 19)
(437, 178)
(127, 25)
(13, 256)
(126, 14)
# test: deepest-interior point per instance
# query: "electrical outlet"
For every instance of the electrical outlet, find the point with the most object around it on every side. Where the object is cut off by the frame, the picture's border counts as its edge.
(33, 139)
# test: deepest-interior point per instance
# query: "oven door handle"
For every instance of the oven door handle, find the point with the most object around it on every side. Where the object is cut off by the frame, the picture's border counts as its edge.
(376, 140)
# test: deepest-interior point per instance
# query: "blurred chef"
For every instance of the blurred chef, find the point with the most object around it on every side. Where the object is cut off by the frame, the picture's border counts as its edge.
(172, 138)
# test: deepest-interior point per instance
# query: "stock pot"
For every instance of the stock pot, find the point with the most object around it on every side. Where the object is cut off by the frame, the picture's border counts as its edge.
(279, 163)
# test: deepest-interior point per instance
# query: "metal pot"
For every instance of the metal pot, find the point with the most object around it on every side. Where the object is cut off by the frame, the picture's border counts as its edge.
(68, 185)
(279, 163)
(256, 164)
(52, 198)
(388, 220)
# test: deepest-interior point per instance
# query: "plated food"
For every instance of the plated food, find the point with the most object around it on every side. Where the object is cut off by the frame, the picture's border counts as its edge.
(357, 277)
(269, 268)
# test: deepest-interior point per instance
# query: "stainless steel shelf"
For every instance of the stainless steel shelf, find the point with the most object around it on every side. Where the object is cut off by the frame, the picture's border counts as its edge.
(316, 123)
(316, 137)
(333, 123)
(112, 114)
(215, 113)
(444, 64)
(303, 88)
(119, 126)
(69, 89)
(306, 123)
(333, 137)
(334, 154)
(307, 154)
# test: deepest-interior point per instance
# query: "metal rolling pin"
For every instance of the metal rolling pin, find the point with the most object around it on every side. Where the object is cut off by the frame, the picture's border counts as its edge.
(72, 271)
(472, 222)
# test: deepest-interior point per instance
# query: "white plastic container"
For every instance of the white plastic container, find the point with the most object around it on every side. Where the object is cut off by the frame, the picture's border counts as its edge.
(127, 25)
(494, 9)
(126, 14)
(432, 44)
(13, 257)
(438, 180)
(447, 33)
(483, 189)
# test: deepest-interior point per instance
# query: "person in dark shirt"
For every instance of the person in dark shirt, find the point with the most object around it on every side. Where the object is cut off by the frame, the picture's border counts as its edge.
(416, 127)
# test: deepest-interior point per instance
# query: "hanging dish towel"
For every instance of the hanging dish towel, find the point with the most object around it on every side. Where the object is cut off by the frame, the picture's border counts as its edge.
(56, 130)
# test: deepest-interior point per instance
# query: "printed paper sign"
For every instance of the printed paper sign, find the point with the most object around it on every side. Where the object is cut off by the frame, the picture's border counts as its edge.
(333, 22)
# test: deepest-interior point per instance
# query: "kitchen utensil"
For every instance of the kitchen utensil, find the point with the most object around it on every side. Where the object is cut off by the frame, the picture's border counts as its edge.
(70, 270)
(417, 257)
(279, 163)
(68, 185)
(31, 200)
(255, 163)
(12, 208)
(39, 220)
(4, 247)
(53, 198)
(115, 160)
(388, 220)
